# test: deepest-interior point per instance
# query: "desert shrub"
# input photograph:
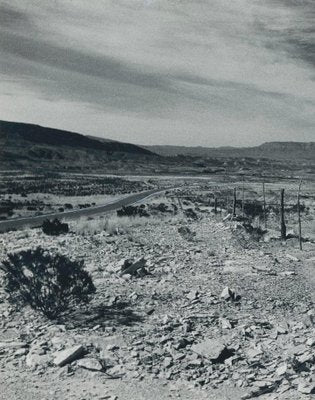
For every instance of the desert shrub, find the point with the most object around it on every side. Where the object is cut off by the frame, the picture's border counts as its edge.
(253, 209)
(190, 213)
(132, 211)
(55, 227)
(186, 233)
(49, 283)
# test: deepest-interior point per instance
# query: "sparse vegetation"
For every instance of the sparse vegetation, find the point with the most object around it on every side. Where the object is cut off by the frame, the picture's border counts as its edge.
(46, 282)
(114, 225)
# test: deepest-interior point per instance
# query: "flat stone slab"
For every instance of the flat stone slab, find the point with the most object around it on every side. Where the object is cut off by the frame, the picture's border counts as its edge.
(68, 355)
(209, 348)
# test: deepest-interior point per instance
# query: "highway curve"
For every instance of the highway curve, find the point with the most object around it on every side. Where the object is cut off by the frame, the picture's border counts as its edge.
(18, 223)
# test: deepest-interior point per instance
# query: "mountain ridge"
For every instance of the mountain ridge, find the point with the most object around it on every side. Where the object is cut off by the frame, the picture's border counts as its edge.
(38, 134)
(277, 150)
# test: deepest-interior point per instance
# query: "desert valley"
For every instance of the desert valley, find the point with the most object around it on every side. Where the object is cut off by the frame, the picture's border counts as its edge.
(188, 277)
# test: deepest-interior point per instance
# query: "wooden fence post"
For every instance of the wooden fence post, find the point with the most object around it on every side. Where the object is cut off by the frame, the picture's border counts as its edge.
(215, 205)
(234, 202)
(180, 203)
(282, 221)
(243, 198)
(299, 214)
(264, 196)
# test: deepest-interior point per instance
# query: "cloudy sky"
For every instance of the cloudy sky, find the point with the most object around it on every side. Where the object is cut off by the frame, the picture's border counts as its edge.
(188, 72)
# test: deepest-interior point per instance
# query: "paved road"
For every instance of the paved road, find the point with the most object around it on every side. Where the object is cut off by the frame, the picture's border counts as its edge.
(19, 223)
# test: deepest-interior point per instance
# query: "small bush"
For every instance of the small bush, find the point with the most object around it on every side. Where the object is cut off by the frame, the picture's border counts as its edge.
(253, 210)
(55, 227)
(49, 283)
(190, 213)
(133, 211)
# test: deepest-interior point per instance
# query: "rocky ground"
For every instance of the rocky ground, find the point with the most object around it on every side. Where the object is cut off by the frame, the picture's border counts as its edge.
(210, 314)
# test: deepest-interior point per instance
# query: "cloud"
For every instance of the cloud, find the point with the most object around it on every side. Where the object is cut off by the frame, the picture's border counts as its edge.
(186, 72)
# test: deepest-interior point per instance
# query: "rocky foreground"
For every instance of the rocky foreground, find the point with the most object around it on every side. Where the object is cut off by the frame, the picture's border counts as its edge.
(203, 312)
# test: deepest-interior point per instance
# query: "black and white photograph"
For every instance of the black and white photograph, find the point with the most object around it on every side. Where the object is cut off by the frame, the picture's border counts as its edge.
(157, 199)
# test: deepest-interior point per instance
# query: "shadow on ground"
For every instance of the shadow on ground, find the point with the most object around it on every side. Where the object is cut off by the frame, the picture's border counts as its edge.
(101, 314)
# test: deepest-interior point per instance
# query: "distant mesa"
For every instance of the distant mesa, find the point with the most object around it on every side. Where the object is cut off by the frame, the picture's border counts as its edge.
(272, 150)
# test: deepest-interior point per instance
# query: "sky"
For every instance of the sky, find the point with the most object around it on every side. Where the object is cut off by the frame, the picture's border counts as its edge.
(177, 72)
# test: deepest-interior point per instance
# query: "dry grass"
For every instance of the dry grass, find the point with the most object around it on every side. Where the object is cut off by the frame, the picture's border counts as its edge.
(113, 225)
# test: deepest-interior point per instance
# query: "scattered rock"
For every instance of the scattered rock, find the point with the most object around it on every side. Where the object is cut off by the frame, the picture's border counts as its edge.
(10, 345)
(306, 387)
(132, 268)
(35, 360)
(213, 349)
(225, 323)
(193, 295)
(229, 294)
(282, 370)
(68, 355)
(90, 363)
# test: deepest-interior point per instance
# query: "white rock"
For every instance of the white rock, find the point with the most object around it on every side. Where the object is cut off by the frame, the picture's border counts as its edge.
(36, 360)
(306, 388)
(310, 342)
(282, 369)
(225, 323)
(227, 293)
(292, 258)
(253, 353)
(10, 345)
(67, 356)
(21, 352)
(209, 348)
(90, 363)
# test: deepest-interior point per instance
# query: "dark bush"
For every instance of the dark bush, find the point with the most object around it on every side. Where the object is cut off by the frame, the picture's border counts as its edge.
(253, 209)
(86, 205)
(132, 211)
(190, 213)
(49, 283)
(55, 227)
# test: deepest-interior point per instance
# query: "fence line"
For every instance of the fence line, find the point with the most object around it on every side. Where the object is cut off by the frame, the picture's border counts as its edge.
(229, 199)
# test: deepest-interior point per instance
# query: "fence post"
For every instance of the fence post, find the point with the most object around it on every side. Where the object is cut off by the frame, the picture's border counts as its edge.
(282, 221)
(299, 214)
(234, 202)
(180, 203)
(215, 205)
(243, 198)
(264, 196)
